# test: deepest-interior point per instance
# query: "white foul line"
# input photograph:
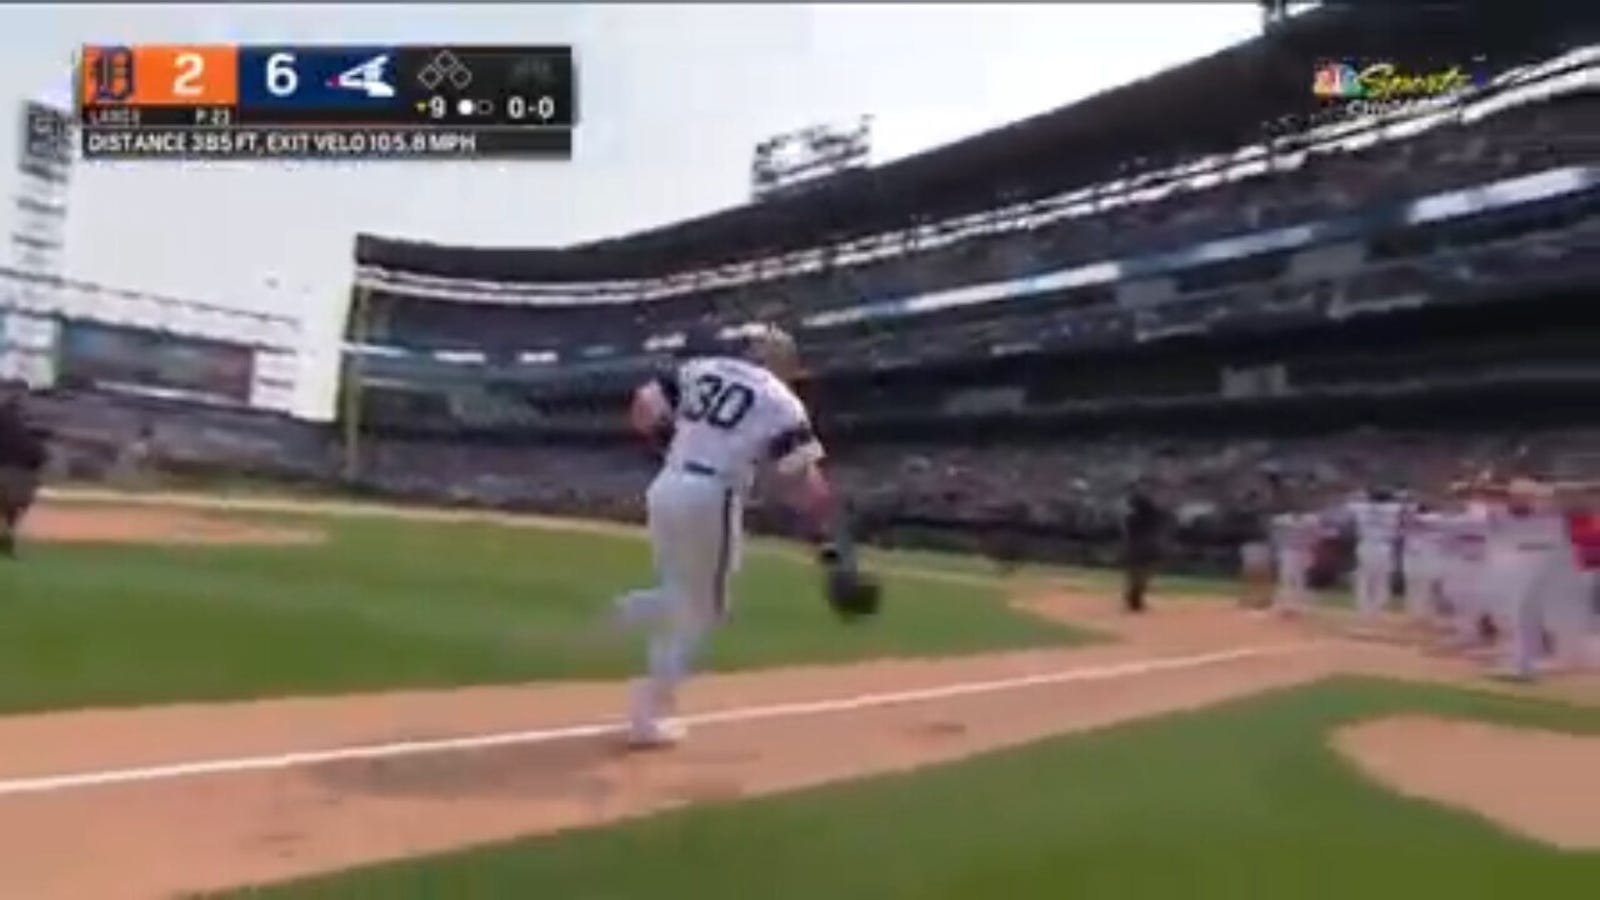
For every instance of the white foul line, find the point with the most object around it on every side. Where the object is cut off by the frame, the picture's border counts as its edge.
(55, 783)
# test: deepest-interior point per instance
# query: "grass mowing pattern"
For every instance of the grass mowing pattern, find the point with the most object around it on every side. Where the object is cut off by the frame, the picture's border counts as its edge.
(388, 604)
(1245, 800)
(1079, 577)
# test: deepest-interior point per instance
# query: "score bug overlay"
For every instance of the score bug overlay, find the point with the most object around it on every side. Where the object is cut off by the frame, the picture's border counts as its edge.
(325, 101)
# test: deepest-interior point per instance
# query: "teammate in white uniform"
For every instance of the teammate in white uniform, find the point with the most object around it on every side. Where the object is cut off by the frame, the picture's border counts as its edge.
(727, 417)
(1537, 574)
(1377, 523)
(1422, 561)
(1578, 627)
(1465, 569)
(1294, 542)
(1528, 551)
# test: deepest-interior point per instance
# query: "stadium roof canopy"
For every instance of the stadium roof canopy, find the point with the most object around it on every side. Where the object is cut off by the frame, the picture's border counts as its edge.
(1212, 105)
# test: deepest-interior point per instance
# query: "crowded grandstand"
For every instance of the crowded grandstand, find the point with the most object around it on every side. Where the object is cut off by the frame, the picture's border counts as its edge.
(1220, 282)
(1243, 303)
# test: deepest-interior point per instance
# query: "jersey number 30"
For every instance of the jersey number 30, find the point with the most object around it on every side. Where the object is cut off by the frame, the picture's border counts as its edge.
(719, 403)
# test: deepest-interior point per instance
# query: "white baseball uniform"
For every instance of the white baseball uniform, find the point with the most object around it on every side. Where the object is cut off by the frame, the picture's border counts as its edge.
(1577, 624)
(730, 416)
(1377, 526)
(1529, 551)
(1294, 544)
(1465, 567)
(1421, 559)
(1568, 594)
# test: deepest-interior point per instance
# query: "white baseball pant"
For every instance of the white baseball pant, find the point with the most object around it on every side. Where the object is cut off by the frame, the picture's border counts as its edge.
(1466, 590)
(1569, 612)
(1522, 580)
(1294, 564)
(696, 525)
(1374, 572)
(1422, 576)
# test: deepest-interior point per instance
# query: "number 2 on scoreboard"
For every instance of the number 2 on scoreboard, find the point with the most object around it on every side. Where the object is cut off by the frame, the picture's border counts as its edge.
(187, 82)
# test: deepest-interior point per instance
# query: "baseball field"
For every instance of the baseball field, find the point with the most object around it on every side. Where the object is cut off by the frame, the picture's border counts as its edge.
(230, 697)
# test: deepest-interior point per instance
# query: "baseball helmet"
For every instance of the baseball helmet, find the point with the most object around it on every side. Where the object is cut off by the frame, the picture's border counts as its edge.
(772, 347)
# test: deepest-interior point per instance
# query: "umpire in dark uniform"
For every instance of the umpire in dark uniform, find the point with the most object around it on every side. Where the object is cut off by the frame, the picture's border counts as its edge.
(22, 457)
(1144, 525)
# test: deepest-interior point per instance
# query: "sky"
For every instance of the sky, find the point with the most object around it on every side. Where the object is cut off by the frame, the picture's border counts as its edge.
(672, 100)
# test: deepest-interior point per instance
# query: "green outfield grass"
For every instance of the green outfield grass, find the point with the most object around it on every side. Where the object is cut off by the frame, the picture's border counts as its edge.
(956, 564)
(387, 604)
(1245, 800)
(1109, 579)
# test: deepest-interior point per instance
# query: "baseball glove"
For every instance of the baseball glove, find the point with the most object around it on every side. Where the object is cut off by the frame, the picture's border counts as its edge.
(851, 593)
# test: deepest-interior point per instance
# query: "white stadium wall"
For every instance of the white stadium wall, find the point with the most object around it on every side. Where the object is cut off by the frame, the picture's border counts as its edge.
(36, 232)
(126, 340)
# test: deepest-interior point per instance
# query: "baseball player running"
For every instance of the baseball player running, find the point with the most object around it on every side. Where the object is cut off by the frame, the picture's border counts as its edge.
(720, 418)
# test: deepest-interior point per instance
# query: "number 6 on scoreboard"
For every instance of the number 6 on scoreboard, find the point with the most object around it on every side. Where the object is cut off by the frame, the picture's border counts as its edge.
(281, 78)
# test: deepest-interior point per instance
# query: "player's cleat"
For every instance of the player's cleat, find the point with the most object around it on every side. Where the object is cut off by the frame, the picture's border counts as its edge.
(655, 734)
(652, 723)
(1512, 674)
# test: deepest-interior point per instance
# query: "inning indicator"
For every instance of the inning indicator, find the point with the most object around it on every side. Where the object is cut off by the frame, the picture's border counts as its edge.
(198, 101)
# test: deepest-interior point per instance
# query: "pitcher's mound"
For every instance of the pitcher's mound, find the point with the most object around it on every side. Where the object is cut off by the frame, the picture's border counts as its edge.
(1541, 784)
(147, 525)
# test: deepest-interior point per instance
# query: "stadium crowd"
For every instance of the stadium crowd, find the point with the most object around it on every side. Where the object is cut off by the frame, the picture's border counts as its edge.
(1154, 212)
(1060, 496)
(1141, 211)
(1063, 498)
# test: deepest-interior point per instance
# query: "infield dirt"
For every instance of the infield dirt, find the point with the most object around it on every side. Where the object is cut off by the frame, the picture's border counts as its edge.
(71, 524)
(1538, 784)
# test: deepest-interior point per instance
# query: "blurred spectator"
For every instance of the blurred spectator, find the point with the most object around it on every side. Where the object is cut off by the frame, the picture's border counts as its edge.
(1143, 525)
(22, 456)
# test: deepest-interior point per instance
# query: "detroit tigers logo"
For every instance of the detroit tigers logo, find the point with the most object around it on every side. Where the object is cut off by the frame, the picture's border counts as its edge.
(110, 72)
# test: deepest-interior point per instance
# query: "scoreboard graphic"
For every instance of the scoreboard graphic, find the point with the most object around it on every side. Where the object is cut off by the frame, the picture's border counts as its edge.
(325, 102)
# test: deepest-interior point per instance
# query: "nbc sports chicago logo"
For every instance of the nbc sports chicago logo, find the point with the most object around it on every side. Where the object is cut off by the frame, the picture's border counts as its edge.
(1388, 83)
